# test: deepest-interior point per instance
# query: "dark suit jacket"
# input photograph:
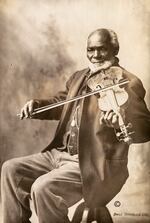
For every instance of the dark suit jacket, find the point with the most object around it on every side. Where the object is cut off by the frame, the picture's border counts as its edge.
(102, 158)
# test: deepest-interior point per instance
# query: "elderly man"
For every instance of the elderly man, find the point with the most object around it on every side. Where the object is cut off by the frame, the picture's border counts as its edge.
(85, 158)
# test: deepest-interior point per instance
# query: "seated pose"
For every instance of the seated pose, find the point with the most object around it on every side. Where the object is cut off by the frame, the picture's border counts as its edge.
(89, 154)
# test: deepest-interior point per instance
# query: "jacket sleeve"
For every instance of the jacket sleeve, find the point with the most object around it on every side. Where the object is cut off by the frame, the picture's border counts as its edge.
(54, 113)
(137, 87)
(137, 112)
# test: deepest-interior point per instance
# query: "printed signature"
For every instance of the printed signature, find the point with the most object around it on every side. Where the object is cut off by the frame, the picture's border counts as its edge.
(120, 214)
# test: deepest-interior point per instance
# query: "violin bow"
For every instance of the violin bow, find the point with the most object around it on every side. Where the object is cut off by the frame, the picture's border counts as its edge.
(57, 104)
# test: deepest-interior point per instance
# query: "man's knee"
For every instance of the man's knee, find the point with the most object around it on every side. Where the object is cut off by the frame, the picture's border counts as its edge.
(10, 167)
(42, 186)
(38, 188)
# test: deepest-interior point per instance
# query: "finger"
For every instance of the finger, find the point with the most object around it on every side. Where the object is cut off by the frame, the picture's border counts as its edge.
(107, 114)
(114, 119)
(110, 116)
(30, 107)
(26, 110)
(107, 117)
(22, 115)
(102, 118)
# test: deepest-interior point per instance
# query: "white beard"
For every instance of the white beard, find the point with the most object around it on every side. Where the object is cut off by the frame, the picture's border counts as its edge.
(96, 67)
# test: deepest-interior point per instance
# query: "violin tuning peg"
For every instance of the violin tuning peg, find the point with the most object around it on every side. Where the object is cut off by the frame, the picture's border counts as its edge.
(129, 126)
(130, 133)
(119, 135)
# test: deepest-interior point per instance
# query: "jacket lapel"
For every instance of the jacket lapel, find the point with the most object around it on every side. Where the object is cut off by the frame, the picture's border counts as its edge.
(74, 90)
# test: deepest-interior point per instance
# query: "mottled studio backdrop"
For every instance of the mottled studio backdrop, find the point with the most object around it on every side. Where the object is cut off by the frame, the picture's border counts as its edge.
(42, 42)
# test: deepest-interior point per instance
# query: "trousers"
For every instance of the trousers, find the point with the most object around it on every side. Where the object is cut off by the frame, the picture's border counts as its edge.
(51, 179)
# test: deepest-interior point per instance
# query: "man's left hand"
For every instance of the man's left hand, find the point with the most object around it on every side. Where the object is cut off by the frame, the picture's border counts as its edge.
(110, 119)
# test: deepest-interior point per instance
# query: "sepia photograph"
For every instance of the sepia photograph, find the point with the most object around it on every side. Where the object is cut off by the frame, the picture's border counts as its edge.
(75, 111)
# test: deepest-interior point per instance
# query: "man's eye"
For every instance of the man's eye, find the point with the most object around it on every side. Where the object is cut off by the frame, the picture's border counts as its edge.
(89, 49)
(104, 49)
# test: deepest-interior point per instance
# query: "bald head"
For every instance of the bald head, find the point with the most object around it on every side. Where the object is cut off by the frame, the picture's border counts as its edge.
(101, 34)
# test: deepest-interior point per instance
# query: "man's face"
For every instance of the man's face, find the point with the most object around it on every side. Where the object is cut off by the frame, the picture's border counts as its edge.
(99, 48)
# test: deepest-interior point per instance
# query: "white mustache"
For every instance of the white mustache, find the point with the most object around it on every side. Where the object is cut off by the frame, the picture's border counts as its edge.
(94, 67)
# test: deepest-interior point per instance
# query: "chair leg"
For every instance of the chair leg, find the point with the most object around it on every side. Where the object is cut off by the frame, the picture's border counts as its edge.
(102, 215)
(77, 217)
(85, 215)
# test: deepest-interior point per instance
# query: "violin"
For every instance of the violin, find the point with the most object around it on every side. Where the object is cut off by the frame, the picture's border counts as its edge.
(114, 98)
(109, 84)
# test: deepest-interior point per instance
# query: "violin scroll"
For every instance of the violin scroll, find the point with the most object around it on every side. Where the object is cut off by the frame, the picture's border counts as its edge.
(124, 135)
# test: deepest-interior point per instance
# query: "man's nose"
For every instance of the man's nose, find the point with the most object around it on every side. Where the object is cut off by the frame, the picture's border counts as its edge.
(97, 53)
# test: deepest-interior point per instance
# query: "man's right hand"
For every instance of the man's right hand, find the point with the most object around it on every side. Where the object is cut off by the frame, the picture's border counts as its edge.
(28, 108)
